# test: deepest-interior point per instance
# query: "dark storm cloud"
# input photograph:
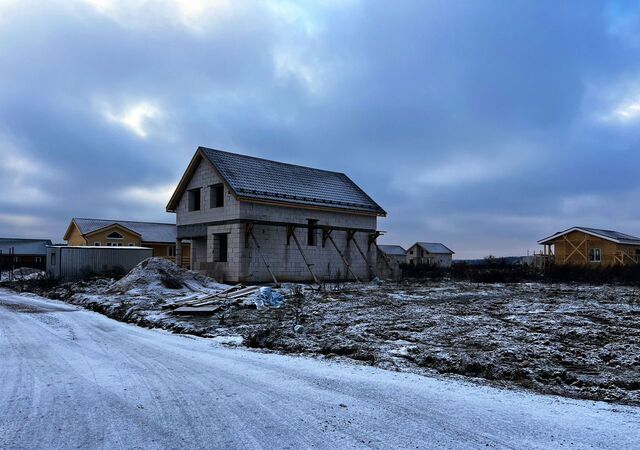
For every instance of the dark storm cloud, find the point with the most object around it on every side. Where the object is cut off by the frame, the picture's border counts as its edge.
(482, 124)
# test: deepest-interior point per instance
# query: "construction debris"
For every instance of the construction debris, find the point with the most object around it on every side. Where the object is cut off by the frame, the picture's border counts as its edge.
(161, 277)
(267, 298)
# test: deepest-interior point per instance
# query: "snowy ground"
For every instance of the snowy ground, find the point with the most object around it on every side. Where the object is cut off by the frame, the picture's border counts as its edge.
(72, 378)
(573, 340)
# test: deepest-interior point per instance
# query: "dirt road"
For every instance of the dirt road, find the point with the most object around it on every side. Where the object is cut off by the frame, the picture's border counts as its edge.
(71, 378)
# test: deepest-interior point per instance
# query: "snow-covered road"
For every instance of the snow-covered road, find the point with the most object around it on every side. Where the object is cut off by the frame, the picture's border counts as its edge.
(71, 378)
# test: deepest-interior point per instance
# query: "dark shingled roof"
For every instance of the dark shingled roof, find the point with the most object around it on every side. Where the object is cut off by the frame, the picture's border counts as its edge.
(394, 250)
(616, 236)
(148, 231)
(262, 179)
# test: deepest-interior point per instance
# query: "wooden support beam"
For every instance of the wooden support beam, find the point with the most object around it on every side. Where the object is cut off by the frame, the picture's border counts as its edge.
(372, 239)
(249, 231)
(291, 232)
(325, 235)
(344, 259)
(351, 237)
(385, 258)
(576, 249)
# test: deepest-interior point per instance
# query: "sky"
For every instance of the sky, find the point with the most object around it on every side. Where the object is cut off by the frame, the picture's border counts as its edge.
(485, 125)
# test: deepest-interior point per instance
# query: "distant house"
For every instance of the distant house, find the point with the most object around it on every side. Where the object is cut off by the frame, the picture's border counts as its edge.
(160, 237)
(590, 246)
(431, 253)
(256, 220)
(16, 252)
(394, 252)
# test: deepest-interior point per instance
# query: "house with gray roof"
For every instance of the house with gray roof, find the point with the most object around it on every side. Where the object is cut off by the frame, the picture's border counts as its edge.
(394, 252)
(430, 253)
(255, 220)
(160, 237)
(18, 252)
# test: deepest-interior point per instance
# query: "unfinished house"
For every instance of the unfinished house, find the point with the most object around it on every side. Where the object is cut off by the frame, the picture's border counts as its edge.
(255, 220)
(159, 237)
(430, 253)
(589, 246)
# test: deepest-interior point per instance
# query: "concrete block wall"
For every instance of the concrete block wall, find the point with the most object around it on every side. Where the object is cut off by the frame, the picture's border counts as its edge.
(260, 211)
(204, 176)
(287, 263)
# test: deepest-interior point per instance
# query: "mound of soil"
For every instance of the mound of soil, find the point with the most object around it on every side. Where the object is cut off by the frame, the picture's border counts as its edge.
(159, 276)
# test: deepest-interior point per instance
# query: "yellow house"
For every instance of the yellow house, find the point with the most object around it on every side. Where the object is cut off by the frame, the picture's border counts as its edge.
(590, 246)
(160, 237)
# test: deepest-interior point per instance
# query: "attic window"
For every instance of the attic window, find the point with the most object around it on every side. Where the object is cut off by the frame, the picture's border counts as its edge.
(216, 196)
(115, 235)
(194, 199)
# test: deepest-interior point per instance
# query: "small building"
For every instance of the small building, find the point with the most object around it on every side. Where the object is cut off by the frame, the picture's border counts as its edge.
(76, 262)
(394, 252)
(159, 237)
(430, 253)
(256, 220)
(589, 246)
(16, 252)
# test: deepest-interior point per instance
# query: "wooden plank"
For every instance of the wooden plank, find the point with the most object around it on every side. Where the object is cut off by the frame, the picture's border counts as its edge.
(250, 232)
(304, 258)
(575, 249)
(346, 263)
(197, 311)
(355, 242)
(385, 258)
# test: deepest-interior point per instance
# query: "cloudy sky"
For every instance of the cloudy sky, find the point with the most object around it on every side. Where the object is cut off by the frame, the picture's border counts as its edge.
(482, 124)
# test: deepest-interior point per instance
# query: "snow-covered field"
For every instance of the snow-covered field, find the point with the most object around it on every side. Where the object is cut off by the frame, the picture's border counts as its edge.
(72, 378)
(573, 340)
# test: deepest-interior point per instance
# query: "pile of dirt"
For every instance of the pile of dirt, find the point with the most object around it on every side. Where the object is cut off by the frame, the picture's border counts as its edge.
(159, 276)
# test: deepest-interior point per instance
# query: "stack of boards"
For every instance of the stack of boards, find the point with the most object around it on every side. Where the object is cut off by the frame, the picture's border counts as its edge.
(206, 306)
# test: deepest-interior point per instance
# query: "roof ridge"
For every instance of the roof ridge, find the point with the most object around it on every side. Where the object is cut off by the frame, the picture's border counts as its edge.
(273, 161)
(124, 221)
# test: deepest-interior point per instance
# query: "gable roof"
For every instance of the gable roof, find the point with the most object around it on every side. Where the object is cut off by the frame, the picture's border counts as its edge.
(435, 248)
(251, 178)
(610, 235)
(24, 246)
(394, 250)
(148, 231)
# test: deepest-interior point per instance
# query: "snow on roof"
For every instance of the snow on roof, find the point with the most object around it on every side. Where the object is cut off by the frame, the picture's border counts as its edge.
(148, 231)
(610, 235)
(394, 250)
(435, 248)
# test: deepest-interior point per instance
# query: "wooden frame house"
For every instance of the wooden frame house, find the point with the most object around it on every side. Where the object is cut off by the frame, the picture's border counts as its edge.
(589, 246)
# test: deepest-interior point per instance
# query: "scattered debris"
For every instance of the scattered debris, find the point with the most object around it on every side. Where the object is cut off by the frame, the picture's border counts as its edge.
(266, 297)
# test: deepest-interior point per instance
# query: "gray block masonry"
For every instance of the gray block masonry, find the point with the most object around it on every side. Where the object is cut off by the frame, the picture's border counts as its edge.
(269, 225)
